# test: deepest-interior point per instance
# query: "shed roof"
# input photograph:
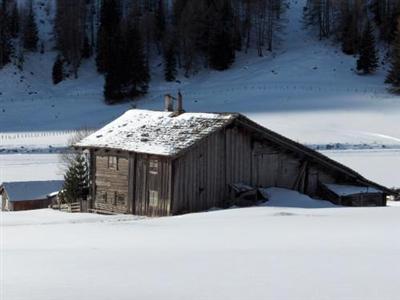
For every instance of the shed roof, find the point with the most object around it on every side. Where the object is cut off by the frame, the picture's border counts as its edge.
(156, 132)
(30, 190)
(348, 190)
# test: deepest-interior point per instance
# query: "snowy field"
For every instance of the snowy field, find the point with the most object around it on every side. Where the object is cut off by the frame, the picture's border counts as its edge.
(27, 167)
(380, 166)
(266, 252)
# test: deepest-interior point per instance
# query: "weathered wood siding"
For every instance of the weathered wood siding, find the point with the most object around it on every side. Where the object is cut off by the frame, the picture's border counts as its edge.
(147, 181)
(362, 199)
(201, 177)
(30, 204)
(6, 205)
(111, 182)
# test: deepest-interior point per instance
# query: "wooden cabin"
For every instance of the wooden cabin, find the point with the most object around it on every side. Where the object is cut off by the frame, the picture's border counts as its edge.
(160, 163)
(27, 195)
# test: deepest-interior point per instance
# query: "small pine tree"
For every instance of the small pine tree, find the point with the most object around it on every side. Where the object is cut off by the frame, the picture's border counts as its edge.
(58, 70)
(393, 76)
(76, 181)
(30, 31)
(170, 61)
(367, 62)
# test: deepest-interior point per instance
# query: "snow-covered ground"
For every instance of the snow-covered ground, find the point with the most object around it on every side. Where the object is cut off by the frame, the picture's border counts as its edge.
(381, 166)
(30, 167)
(265, 252)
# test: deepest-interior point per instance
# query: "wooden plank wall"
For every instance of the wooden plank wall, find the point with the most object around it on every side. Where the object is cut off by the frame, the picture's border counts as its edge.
(160, 182)
(30, 204)
(199, 176)
(234, 155)
(5, 204)
(109, 181)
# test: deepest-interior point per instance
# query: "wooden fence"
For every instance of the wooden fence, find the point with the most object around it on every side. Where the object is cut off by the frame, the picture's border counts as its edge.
(68, 207)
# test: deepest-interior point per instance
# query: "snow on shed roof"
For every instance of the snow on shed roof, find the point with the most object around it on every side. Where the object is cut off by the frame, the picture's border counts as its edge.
(156, 132)
(31, 190)
(347, 190)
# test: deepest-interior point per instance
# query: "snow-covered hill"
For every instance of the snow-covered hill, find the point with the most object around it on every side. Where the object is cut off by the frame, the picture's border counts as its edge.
(306, 90)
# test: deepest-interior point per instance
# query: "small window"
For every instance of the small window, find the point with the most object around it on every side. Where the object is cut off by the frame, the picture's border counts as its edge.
(153, 166)
(121, 199)
(153, 198)
(113, 162)
(104, 197)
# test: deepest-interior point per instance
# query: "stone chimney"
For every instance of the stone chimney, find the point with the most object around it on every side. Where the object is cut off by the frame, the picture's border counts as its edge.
(179, 108)
(169, 104)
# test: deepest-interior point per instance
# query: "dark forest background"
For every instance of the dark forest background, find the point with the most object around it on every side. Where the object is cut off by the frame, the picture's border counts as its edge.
(125, 36)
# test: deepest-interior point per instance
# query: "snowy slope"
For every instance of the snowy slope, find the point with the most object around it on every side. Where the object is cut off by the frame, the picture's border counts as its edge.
(305, 90)
(255, 253)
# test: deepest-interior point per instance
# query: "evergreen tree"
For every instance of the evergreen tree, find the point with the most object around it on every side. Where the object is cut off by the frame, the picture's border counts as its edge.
(170, 61)
(87, 49)
(137, 71)
(221, 49)
(160, 21)
(14, 19)
(348, 37)
(30, 31)
(76, 181)
(367, 62)
(20, 59)
(70, 29)
(108, 34)
(58, 71)
(393, 76)
(6, 48)
(113, 90)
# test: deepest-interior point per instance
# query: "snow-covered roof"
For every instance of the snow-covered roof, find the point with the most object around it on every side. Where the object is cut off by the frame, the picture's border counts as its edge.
(31, 190)
(156, 132)
(347, 190)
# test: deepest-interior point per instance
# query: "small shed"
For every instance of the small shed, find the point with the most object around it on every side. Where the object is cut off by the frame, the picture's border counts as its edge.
(26, 195)
(353, 195)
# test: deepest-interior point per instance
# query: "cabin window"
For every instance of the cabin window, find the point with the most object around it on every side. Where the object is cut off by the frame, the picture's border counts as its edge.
(113, 162)
(121, 199)
(153, 198)
(104, 197)
(153, 166)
